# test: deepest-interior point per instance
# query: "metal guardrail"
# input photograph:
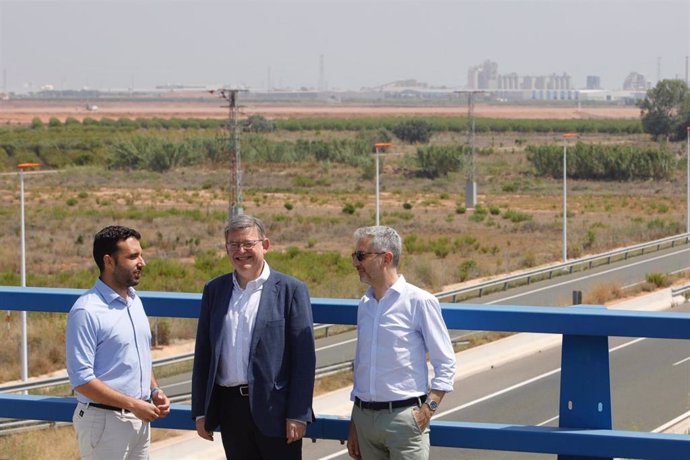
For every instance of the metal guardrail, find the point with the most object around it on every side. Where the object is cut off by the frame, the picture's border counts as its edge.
(63, 380)
(585, 418)
(585, 410)
(680, 290)
(547, 273)
(323, 371)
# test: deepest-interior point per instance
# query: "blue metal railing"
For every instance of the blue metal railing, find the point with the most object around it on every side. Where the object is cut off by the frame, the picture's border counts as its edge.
(585, 429)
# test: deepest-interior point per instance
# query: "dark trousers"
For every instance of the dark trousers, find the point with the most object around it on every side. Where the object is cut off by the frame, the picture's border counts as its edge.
(242, 440)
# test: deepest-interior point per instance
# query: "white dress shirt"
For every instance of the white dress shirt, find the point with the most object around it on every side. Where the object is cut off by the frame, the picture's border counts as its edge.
(393, 337)
(237, 330)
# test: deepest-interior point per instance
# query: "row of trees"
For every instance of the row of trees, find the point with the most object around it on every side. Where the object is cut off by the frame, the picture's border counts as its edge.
(602, 162)
(258, 123)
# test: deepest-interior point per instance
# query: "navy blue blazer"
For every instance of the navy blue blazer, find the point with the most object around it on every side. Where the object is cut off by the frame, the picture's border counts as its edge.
(282, 358)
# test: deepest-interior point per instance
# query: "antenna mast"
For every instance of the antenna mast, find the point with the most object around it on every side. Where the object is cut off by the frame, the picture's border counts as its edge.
(235, 180)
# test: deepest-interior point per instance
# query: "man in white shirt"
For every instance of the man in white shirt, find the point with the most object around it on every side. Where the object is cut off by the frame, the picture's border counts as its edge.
(397, 325)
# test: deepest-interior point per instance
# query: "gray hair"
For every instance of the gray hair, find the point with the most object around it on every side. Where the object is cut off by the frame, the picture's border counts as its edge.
(383, 239)
(242, 221)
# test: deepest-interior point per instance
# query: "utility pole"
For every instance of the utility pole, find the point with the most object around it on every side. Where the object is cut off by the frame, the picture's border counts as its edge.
(235, 180)
(470, 184)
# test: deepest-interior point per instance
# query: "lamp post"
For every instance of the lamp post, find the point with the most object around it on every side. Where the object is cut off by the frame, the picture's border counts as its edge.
(566, 136)
(24, 349)
(687, 226)
(379, 147)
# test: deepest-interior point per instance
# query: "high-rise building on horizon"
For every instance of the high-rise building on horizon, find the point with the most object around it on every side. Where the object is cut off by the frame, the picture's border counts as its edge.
(593, 82)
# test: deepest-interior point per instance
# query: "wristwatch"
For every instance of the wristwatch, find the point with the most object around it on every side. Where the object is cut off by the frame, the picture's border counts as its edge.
(433, 405)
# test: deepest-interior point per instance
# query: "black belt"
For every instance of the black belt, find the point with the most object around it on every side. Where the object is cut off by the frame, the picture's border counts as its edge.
(239, 390)
(390, 405)
(107, 407)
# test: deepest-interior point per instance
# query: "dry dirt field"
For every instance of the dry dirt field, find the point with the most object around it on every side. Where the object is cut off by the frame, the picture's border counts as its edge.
(22, 111)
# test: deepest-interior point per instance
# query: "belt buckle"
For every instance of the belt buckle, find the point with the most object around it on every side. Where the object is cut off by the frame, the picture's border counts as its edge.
(244, 390)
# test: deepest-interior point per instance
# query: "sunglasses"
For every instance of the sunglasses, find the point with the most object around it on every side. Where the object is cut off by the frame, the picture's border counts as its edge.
(361, 255)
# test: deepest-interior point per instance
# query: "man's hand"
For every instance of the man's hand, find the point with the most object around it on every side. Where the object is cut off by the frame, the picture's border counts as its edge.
(162, 402)
(295, 430)
(422, 416)
(145, 411)
(201, 431)
(353, 443)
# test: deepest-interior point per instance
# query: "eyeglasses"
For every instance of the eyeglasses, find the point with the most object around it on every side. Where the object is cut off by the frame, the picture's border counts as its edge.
(361, 255)
(236, 245)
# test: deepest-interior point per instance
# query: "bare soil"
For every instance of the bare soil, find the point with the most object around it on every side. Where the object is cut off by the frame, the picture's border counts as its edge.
(23, 111)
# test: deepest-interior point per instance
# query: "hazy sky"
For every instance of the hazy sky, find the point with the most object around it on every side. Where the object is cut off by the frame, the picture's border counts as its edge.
(119, 44)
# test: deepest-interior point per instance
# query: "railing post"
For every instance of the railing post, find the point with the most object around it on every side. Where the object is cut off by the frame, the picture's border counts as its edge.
(585, 400)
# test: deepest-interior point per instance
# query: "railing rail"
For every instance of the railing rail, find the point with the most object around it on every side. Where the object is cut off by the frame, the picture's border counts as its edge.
(680, 290)
(548, 272)
(585, 429)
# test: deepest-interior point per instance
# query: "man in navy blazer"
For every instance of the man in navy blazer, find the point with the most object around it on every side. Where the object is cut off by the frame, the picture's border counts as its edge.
(254, 360)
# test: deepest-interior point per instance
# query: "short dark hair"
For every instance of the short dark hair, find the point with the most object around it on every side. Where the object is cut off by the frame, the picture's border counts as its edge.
(105, 242)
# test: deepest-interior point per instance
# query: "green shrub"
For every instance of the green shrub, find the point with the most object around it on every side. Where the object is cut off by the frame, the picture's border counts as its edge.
(438, 161)
(510, 186)
(259, 124)
(413, 131)
(349, 208)
(441, 247)
(516, 216)
(466, 269)
(660, 280)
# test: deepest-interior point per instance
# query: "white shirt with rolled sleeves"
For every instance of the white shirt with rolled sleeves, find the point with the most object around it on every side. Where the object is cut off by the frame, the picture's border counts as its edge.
(393, 337)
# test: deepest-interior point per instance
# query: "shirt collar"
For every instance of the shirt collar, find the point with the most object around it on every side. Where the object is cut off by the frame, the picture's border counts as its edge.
(398, 287)
(110, 296)
(256, 283)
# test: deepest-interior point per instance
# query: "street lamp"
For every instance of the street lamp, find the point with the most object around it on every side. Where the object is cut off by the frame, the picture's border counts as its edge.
(379, 147)
(25, 349)
(566, 136)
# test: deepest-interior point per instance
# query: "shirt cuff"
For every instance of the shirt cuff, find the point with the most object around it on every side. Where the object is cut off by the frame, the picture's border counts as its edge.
(298, 421)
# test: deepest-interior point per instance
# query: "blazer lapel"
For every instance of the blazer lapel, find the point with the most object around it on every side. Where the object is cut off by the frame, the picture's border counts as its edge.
(219, 312)
(266, 304)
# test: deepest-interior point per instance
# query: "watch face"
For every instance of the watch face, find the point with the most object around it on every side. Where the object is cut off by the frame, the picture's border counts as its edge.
(433, 405)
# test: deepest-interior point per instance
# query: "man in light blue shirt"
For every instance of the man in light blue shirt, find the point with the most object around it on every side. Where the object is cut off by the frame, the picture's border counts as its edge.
(398, 324)
(109, 355)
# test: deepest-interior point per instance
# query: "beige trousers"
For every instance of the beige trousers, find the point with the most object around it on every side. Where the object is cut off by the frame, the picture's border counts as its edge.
(110, 435)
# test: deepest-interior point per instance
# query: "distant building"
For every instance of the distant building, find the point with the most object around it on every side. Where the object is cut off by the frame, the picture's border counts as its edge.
(511, 86)
(593, 82)
(483, 76)
(635, 82)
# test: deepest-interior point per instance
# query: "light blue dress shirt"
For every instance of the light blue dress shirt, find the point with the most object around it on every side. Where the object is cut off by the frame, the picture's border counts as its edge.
(109, 338)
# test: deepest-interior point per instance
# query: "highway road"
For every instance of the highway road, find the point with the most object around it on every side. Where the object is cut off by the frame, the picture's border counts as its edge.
(558, 291)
